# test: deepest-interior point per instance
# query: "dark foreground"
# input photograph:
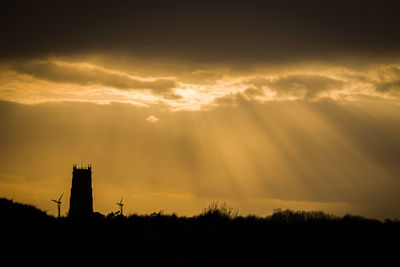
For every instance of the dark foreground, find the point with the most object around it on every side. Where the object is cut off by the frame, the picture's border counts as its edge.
(29, 237)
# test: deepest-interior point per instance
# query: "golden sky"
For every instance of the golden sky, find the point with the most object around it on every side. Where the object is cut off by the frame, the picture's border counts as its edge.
(181, 105)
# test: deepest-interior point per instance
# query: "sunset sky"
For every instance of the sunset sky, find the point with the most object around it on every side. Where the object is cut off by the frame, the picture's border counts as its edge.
(176, 104)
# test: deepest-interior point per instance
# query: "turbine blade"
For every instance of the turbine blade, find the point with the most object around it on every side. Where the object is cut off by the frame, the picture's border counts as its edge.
(54, 200)
(61, 196)
(121, 199)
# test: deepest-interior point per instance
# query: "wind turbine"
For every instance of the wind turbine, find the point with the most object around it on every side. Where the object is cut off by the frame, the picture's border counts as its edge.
(58, 204)
(120, 204)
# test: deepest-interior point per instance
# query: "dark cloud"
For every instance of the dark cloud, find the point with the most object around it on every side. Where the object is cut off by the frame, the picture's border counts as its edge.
(229, 100)
(212, 31)
(388, 79)
(253, 92)
(308, 86)
(75, 74)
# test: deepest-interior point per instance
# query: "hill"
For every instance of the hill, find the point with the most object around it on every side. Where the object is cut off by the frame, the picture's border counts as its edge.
(214, 238)
(17, 212)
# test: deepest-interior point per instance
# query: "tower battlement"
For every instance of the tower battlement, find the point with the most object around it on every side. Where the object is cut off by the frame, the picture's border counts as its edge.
(81, 201)
(82, 168)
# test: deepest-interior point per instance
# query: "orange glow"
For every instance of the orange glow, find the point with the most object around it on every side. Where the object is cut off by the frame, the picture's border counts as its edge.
(300, 138)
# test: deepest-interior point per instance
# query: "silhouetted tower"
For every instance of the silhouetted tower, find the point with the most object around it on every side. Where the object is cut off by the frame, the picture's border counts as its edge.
(81, 201)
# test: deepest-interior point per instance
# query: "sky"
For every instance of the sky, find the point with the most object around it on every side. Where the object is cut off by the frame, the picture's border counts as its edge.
(177, 104)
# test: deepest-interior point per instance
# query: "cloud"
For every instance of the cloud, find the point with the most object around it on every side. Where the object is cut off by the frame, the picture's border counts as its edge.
(86, 74)
(60, 80)
(233, 31)
(308, 86)
(388, 79)
(152, 119)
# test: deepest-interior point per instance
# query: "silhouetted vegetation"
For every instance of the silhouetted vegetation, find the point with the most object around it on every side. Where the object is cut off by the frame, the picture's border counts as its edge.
(216, 237)
(219, 210)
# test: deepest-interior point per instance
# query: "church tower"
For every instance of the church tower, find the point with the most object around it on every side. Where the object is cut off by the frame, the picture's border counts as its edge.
(81, 201)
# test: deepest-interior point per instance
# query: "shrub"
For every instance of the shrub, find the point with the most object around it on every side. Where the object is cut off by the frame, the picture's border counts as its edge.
(222, 210)
(290, 216)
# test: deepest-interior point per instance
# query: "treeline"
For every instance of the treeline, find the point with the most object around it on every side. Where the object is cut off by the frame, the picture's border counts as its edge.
(11, 210)
(216, 237)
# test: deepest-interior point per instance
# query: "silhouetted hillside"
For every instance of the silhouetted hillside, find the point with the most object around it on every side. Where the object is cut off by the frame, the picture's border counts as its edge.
(17, 212)
(216, 237)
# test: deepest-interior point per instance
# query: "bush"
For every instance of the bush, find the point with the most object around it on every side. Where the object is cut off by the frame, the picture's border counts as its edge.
(221, 210)
(290, 216)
